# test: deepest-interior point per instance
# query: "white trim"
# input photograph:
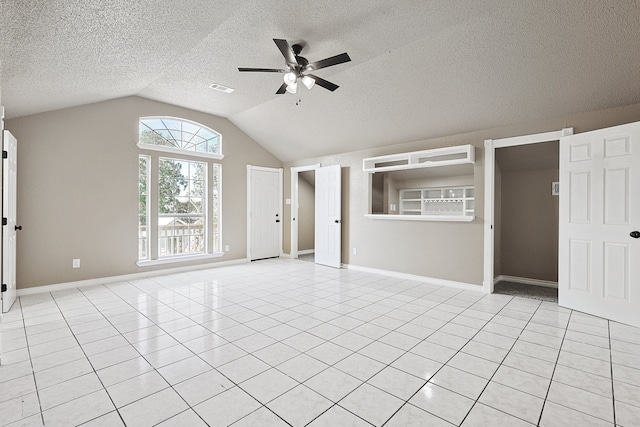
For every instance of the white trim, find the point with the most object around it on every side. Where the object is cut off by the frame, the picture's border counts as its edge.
(295, 170)
(147, 158)
(526, 281)
(489, 204)
(124, 277)
(218, 155)
(530, 139)
(306, 252)
(430, 280)
(178, 151)
(489, 190)
(420, 159)
(442, 218)
(175, 259)
(249, 212)
(280, 193)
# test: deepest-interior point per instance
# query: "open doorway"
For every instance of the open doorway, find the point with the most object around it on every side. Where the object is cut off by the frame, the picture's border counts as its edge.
(490, 147)
(306, 215)
(303, 212)
(526, 219)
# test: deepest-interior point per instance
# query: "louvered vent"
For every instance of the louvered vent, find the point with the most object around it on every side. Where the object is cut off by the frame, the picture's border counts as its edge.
(221, 88)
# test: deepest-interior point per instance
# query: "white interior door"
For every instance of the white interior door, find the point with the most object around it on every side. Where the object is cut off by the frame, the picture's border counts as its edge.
(9, 187)
(265, 216)
(599, 248)
(328, 229)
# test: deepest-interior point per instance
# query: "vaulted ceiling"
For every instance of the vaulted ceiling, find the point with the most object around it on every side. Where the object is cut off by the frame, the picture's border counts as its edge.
(419, 69)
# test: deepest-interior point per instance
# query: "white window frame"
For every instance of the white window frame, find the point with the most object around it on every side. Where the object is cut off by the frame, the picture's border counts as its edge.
(152, 190)
(179, 151)
(148, 212)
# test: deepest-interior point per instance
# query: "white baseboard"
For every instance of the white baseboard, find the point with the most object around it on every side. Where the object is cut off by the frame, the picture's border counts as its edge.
(286, 256)
(133, 276)
(431, 280)
(526, 281)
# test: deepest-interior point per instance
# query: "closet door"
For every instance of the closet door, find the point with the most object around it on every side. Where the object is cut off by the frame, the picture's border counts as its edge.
(9, 229)
(328, 233)
(599, 248)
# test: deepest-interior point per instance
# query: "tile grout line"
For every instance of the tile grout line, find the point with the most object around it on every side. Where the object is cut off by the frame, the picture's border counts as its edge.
(117, 410)
(153, 367)
(555, 365)
(354, 292)
(33, 372)
(214, 368)
(389, 364)
(477, 400)
(613, 395)
(87, 357)
(450, 358)
(353, 352)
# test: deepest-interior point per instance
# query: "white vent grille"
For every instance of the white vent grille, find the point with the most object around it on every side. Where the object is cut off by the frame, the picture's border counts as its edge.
(221, 88)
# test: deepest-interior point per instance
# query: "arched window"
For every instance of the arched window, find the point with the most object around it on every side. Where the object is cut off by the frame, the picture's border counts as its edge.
(186, 191)
(173, 135)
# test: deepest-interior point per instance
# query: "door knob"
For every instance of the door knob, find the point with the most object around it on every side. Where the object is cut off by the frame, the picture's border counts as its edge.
(277, 220)
(635, 234)
(337, 221)
(18, 227)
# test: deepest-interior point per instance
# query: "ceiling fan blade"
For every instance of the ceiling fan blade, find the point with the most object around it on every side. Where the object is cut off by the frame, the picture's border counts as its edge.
(324, 83)
(262, 70)
(329, 62)
(282, 89)
(286, 50)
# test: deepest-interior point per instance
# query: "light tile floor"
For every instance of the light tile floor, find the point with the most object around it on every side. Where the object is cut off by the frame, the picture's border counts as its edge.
(284, 342)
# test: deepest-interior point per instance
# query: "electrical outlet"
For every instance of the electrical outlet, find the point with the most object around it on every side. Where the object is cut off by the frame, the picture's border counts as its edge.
(226, 248)
(355, 251)
(76, 263)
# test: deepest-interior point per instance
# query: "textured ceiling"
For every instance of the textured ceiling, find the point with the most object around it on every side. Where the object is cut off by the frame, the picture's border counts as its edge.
(419, 68)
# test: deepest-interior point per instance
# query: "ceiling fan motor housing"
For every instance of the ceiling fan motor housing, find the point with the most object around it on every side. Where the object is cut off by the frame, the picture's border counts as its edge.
(298, 66)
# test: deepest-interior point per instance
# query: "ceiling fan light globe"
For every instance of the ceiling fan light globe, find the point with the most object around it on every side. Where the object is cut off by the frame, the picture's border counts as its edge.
(293, 87)
(290, 78)
(308, 82)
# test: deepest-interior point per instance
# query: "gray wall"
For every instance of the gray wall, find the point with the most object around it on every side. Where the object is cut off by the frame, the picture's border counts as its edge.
(526, 223)
(77, 177)
(443, 250)
(529, 231)
(306, 210)
(77, 188)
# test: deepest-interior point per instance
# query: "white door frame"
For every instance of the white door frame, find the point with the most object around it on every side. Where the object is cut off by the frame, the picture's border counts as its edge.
(490, 146)
(294, 205)
(1, 228)
(262, 168)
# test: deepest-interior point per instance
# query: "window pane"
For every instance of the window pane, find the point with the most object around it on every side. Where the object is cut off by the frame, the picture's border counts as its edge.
(216, 187)
(143, 207)
(178, 134)
(181, 207)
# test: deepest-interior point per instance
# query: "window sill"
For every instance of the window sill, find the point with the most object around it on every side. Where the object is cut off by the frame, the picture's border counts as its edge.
(177, 259)
(441, 218)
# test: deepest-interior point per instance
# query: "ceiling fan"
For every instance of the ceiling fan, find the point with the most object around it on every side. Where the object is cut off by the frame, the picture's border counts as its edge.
(299, 68)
